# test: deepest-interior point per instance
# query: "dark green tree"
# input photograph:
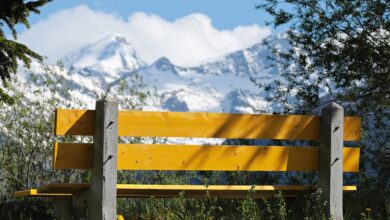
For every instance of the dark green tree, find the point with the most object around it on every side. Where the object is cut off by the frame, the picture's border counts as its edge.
(340, 48)
(12, 13)
(339, 45)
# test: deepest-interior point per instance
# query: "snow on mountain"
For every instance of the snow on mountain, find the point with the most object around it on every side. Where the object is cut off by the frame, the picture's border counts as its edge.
(112, 67)
(109, 54)
(220, 85)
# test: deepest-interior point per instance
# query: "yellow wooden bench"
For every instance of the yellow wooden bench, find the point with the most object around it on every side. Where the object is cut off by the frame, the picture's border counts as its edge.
(105, 156)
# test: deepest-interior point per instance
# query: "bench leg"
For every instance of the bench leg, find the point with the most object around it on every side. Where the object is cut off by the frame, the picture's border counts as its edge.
(99, 201)
(330, 173)
(63, 208)
(102, 192)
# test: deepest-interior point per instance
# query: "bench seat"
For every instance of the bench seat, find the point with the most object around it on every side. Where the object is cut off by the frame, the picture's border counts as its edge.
(192, 191)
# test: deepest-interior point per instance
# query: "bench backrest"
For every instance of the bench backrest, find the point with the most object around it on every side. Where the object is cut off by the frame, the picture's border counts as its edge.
(203, 125)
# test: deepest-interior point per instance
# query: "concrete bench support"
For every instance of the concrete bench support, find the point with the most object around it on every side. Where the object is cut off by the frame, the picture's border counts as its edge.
(99, 201)
(102, 193)
(330, 174)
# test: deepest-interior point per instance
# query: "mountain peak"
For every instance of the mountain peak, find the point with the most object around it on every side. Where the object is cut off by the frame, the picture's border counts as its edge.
(115, 38)
(110, 53)
(165, 65)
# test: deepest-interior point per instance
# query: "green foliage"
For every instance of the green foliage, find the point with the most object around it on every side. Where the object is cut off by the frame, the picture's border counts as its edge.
(26, 138)
(27, 210)
(341, 48)
(12, 13)
(308, 206)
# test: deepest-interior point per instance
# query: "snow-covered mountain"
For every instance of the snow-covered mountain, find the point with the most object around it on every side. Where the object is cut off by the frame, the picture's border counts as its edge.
(108, 55)
(220, 85)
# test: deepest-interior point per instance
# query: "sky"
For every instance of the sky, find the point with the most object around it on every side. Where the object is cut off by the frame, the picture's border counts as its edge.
(185, 31)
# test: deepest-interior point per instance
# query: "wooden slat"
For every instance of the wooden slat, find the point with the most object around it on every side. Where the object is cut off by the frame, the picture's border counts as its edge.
(35, 193)
(63, 188)
(74, 122)
(192, 191)
(79, 156)
(352, 127)
(221, 191)
(194, 157)
(204, 125)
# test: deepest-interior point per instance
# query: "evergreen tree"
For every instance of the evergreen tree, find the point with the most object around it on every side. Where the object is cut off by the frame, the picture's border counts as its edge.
(13, 12)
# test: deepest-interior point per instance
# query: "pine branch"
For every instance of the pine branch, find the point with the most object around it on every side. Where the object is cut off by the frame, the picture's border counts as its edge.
(13, 12)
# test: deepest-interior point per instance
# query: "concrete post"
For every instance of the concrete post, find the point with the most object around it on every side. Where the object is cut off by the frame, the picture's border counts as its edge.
(330, 172)
(102, 192)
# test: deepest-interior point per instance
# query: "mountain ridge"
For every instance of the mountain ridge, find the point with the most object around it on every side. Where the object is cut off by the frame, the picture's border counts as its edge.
(220, 85)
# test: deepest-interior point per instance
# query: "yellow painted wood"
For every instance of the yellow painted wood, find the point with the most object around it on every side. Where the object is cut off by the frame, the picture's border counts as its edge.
(219, 187)
(74, 122)
(204, 125)
(219, 158)
(222, 191)
(195, 157)
(174, 124)
(35, 193)
(78, 155)
(142, 190)
(352, 126)
(29, 192)
(63, 188)
(351, 159)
